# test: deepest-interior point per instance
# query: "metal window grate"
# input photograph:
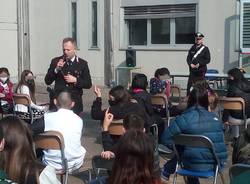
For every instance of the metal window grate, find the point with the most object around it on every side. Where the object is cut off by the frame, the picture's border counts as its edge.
(160, 11)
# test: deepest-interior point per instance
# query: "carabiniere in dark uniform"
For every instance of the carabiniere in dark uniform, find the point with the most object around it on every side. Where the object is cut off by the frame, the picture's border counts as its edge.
(79, 69)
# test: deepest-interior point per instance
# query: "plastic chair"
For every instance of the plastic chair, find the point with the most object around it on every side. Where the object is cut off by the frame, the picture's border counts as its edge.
(53, 140)
(175, 95)
(238, 169)
(23, 100)
(213, 80)
(162, 102)
(116, 127)
(234, 103)
(198, 141)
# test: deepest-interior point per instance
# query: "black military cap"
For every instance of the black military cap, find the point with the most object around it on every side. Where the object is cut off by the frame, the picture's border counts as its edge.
(199, 35)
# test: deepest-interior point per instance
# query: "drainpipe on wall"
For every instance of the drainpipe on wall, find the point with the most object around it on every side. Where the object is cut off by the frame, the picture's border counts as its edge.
(108, 50)
(23, 39)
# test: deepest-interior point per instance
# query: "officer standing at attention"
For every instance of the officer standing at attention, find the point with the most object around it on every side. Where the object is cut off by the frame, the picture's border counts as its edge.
(197, 59)
(69, 72)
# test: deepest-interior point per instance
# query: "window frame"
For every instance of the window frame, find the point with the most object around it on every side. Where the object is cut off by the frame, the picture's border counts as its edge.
(91, 46)
(77, 22)
(172, 46)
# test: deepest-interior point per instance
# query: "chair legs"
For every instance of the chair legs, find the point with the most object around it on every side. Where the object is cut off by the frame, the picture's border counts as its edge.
(222, 178)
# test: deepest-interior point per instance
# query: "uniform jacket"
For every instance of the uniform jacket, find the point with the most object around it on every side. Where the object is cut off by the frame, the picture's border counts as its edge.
(198, 121)
(79, 69)
(203, 59)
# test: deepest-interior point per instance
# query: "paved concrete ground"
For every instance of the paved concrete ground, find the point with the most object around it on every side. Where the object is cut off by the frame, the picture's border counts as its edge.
(92, 136)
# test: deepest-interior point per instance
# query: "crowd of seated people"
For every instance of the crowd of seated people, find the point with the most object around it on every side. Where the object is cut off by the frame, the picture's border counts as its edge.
(134, 155)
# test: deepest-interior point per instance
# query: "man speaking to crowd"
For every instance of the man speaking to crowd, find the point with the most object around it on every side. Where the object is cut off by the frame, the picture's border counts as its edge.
(69, 72)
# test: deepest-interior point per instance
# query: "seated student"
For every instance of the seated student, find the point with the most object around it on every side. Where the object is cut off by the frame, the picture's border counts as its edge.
(6, 91)
(196, 120)
(18, 159)
(131, 121)
(133, 162)
(27, 86)
(3, 177)
(120, 105)
(139, 93)
(160, 85)
(70, 126)
(238, 86)
(241, 149)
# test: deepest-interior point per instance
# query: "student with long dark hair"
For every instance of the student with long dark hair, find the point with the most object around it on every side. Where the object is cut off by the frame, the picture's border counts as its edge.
(18, 159)
(133, 161)
(120, 105)
(238, 86)
(196, 120)
(27, 86)
(139, 93)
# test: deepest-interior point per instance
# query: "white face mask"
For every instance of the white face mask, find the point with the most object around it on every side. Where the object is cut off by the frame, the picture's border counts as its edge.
(3, 79)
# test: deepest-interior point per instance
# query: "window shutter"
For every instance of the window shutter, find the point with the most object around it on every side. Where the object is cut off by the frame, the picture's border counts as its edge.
(161, 11)
(245, 26)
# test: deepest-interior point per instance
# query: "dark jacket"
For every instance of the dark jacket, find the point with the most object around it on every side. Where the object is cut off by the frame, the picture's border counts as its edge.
(119, 111)
(144, 99)
(79, 69)
(203, 59)
(198, 121)
(238, 89)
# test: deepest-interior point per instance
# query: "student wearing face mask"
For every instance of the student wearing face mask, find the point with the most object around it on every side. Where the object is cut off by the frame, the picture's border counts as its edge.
(120, 105)
(6, 91)
(27, 86)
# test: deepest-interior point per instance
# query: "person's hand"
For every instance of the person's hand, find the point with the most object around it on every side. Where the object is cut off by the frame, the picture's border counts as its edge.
(97, 92)
(197, 65)
(107, 154)
(226, 123)
(2, 95)
(60, 63)
(108, 118)
(193, 66)
(70, 78)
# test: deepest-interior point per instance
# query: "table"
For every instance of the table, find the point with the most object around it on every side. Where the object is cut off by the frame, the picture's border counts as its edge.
(118, 68)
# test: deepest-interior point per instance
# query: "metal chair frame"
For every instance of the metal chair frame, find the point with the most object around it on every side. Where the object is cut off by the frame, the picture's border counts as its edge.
(23, 100)
(233, 103)
(198, 141)
(53, 140)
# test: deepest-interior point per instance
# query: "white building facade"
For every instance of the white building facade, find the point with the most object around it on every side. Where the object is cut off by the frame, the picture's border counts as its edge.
(161, 32)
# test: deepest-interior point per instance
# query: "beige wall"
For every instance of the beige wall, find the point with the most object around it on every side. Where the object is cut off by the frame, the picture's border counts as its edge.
(214, 20)
(8, 36)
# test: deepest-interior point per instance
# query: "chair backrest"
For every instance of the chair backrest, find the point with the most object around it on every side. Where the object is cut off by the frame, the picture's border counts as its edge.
(198, 141)
(116, 127)
(21, 99)
(175, 94)
(53, 140)
(233, 103)
(50, 140)
(238, 169)
(159, 100)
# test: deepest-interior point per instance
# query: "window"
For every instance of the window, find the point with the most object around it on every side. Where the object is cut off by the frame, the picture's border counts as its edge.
(74, 20)
(161, 25)
(138, 32)
(160, 31)
(94, 24)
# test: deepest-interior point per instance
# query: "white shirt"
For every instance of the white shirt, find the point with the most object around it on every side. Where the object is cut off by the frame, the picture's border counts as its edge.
(22, 108)
(70, 126)
(48, 176)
